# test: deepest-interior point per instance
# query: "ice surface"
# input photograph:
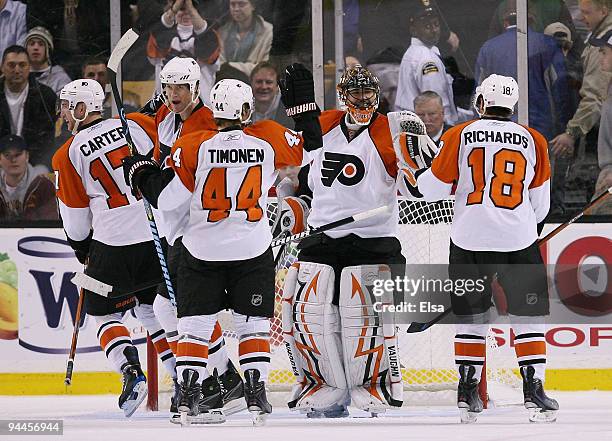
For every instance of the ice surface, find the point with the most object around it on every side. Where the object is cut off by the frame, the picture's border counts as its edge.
(583, 416)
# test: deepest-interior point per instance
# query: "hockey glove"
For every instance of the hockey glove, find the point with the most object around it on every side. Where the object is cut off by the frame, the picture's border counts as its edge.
(414, 149)
(134, 166)
(297, 91)
(293, 215)
(81, 247)
(153, 105)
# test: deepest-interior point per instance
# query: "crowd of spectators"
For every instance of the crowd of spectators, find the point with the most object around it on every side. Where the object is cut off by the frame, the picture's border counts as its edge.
(430, 55)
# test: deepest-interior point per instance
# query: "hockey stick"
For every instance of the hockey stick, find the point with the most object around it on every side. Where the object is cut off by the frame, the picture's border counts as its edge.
(586, 210)
(315, 231)
(83, 281)
(75, 336)
(123, 45)
(420, 327)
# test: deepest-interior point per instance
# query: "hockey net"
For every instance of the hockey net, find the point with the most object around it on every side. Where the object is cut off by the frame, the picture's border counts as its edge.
(427, 357)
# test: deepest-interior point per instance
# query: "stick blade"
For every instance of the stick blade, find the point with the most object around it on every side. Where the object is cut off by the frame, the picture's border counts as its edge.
(123, 45)
(417, 327)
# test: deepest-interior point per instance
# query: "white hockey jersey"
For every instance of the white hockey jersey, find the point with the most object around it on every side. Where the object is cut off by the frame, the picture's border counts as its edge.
(225, 176)
(502, 173)
(347, 178)
(169, 127)
(90, 187)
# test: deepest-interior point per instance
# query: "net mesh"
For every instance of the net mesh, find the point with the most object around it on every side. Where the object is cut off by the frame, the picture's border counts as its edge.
(427, 357)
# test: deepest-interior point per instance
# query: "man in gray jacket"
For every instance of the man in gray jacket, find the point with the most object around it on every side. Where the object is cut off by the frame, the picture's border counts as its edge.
(596, 15)
(604, 143)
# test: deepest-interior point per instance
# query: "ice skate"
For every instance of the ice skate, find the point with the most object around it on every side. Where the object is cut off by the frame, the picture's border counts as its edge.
(134, 389)
(190, 393)
(255, 394)
(175, 397)
(232, 390)
(468, 399)
(542, 409)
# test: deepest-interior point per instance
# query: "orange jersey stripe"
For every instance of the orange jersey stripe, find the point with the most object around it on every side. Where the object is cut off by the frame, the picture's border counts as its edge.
(381, 137)
(287, 145)
(112, 333)
(190, 349)
(173, 346)
(530, 348)
(445, 166)
(542, 165)
(161, 345)
(470, 349)
(187, 164)
(253, 345)
(146, 123)
(330, 119)
(216, 334)
(69, 184)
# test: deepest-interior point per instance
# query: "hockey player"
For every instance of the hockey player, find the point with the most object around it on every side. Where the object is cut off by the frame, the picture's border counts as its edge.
(108, 229)
(181, 112)
(502, 173)
(224, 178)
(350, 357)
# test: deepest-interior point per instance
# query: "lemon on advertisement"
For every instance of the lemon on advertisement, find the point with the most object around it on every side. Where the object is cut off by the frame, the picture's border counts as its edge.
(9, 308)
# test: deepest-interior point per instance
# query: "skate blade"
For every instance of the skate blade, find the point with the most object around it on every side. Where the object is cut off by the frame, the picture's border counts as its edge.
(375, 412)
(130, 406)
(537, 415)
(184, 418)
(258, 416)
(210, 417)
(467, 416)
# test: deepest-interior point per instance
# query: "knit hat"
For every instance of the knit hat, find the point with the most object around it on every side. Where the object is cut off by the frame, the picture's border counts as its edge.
(44, 35)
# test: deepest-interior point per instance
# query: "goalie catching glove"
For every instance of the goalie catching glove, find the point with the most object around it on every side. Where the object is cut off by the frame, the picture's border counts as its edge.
(414, 149)
(293, 215)
(297, 91)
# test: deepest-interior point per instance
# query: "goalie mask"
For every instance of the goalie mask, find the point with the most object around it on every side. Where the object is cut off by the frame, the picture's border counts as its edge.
(86, 91)
(359, 91)
(497, 91)
(181, 71)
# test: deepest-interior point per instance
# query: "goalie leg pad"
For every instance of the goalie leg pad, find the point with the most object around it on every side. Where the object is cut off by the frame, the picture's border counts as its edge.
(311, 329)
(369, 340)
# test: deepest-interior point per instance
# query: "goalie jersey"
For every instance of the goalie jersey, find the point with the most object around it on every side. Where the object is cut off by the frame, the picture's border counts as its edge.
(225, 177)
(502, 173)
(347, 178)
(90, 187)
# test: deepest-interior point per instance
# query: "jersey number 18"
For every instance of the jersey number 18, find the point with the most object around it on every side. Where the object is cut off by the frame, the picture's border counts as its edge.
(507, 183)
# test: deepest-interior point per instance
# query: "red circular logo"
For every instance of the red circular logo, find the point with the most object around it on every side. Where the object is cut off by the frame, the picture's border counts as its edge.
(582, 276)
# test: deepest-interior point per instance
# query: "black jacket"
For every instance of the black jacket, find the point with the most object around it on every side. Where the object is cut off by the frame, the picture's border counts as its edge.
(38, 121)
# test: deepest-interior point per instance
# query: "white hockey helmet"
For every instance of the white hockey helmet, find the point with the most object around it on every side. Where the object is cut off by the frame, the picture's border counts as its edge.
(86, 91)
(181, 71)
(497, 91)
(227, 98)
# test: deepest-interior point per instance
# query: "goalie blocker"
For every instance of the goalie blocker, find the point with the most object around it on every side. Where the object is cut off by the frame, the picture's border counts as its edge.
(345, 352)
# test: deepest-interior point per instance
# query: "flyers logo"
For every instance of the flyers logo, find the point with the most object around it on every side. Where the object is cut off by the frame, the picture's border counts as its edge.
(348, 169)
